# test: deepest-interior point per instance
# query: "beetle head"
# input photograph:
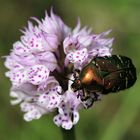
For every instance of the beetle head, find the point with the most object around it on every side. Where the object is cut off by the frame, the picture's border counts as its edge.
(76, 85)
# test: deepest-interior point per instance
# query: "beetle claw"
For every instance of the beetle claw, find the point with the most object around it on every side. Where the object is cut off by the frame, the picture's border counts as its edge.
(89, 100)
(88, 103)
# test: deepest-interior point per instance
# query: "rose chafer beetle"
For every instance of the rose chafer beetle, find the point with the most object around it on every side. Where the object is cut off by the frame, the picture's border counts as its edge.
(103, 75)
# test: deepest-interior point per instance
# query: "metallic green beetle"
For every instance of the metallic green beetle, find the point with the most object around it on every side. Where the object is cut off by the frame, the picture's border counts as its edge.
(104, 75)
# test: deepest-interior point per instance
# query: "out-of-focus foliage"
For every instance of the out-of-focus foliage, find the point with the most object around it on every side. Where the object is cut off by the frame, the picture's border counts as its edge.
(116, 117)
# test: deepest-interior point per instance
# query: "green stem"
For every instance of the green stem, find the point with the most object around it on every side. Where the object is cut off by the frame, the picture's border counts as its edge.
(68, 134)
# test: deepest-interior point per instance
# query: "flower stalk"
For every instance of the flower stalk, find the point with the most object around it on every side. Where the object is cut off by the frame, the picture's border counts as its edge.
(68, 134)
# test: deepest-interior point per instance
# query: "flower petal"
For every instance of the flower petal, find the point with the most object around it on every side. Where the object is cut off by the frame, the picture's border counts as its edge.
(18, 77)
(70, 44)
(20, 49)
(33, 114)
(50, 101)
(48, 59)
(38, 74)
(75, 117)
(78, 57)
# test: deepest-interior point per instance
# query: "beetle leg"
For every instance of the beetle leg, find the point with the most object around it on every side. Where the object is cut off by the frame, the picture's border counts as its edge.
(96, 97)
(90, 99)
(88, 102)
(76, 73)
(86, 99)
(85, 95)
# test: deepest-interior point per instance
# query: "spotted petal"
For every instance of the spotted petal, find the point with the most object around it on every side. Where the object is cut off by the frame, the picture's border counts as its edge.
(38, 74)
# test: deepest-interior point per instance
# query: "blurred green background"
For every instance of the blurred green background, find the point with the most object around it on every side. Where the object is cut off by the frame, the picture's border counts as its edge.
(116, 117)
